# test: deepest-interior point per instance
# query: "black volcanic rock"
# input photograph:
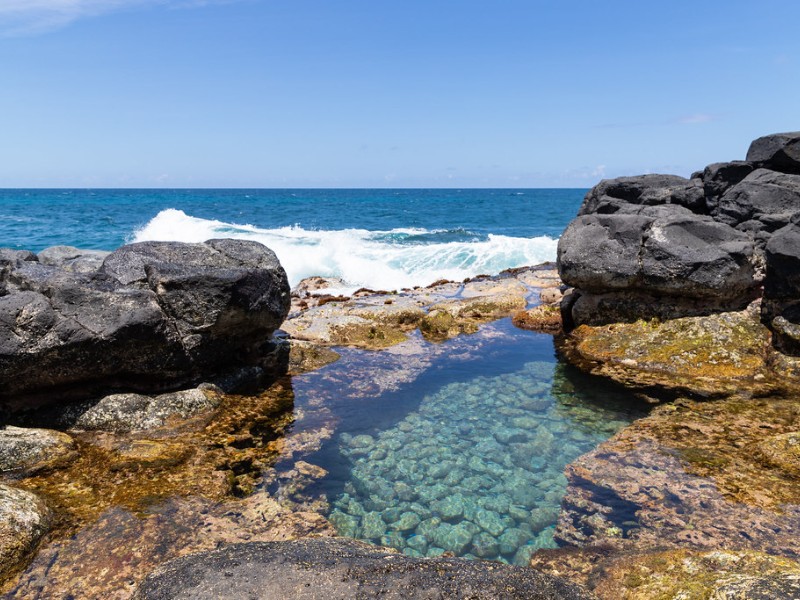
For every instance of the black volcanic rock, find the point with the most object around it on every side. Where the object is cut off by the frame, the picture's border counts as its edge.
(610, 195)
(339, 569)
(768, 197)
(154, 316)
(718, 177)
(780, 309)
(672, 252)
(778, 151)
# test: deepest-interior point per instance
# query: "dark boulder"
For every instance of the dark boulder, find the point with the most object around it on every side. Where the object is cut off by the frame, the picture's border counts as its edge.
(601, 252)
(779, 151)
(780, 309)
(610, 195)
(719, 177)
(768, 197)
(339, 569)
(672, 252)
(154, 316)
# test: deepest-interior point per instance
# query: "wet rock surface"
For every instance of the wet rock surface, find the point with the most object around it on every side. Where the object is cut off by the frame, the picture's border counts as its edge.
(710, 356)
(24, 519)
(29, 450)
(378, 320)
(339, 569)
(152, 316)
(123, 413)
(692, 475)
(113, 554)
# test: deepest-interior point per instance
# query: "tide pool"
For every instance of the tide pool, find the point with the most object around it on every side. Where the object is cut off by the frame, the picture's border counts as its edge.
(468, 458)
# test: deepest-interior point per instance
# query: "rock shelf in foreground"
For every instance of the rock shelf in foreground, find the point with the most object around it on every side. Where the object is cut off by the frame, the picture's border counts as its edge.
(339, 569)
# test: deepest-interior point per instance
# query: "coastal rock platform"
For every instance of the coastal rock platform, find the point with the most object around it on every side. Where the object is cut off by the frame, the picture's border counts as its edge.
(339, 569)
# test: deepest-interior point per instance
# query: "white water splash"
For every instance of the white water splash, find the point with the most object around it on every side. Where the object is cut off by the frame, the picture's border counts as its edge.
(362, 258)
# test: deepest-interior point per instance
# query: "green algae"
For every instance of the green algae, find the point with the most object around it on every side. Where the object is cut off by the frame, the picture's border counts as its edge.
(222, 458)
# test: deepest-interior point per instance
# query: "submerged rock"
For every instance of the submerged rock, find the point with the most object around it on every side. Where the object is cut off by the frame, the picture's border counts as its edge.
(335, 568)
(692, 575)
(691, 475)
(153, 316)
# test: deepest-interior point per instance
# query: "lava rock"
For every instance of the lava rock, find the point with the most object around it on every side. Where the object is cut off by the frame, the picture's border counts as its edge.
(123, 413)
(766, 196)
(719, 177)
(611, 195)
(779, 151)
(674, 252)
(31, 450)
(154, 316)
(328, 569)
(72, 259)
(780, 310)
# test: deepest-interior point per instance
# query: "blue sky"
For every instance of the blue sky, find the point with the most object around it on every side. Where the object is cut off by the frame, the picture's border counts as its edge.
(383, 93)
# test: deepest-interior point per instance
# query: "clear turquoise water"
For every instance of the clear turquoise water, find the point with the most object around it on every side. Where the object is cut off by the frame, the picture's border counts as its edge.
(468, 458)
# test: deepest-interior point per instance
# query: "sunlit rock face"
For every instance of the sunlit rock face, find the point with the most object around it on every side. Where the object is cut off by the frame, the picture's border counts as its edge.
(149, 317)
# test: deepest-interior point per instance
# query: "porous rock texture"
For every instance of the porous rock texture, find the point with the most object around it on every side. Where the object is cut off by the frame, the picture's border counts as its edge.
(151, 316)
(339, 569)
(663, 247)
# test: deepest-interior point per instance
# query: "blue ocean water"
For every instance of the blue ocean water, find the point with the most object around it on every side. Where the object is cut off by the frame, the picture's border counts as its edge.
(380, 238)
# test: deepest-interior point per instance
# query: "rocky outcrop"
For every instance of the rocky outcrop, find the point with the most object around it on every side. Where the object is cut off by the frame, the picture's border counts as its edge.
(662, 247)
(320, 569)
(779, 151)
(694, 499)
(152, 316)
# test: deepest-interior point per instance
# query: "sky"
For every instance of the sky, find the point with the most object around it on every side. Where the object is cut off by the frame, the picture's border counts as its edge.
(387, 93)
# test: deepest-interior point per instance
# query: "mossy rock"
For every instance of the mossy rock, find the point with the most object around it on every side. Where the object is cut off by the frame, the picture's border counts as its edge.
(782, 451)
(308, 356)
(545, 318)
(439, 325)
(692, 575)
(710, 356)
(371, 336)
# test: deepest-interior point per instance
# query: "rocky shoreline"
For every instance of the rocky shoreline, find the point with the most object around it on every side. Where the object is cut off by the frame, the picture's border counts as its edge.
(148, 418)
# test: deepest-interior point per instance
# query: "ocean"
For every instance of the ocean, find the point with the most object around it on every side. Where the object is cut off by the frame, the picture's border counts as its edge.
(381, 238)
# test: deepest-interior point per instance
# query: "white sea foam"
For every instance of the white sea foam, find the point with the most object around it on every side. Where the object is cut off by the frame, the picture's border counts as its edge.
(362, 258)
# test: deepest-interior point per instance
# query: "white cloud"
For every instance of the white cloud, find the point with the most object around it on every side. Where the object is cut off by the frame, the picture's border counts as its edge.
(696, 118)
(28, 17)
